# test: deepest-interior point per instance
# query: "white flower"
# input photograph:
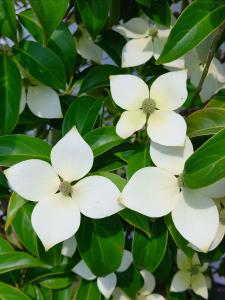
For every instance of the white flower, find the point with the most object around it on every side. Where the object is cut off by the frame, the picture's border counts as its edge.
(190, 275)
(56, 216)
(167, 93)
(156, 191)
(69, 247)
(42, 101)
(146, 41)
(106, 284)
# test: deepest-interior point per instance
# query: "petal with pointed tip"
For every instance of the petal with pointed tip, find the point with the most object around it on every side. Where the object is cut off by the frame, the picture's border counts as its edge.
(183, 262)
(181, 281)
(134, 28)
(69, 247)
(149, 283)
(107, 284)
(199, 285)
(126, 261)
(83, 271)
(218, 238)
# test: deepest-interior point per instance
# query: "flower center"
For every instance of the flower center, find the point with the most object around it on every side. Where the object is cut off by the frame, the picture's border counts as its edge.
(194, 270)
(222, 215)
(153, 32)
(180, 181)
(65, 188)
(148, 106)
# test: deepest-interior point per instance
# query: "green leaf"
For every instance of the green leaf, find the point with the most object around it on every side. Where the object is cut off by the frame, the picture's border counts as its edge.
(88, 290)
(101, 243)
(146, 3)
(49, 14)
(41, 63)
(217, 101)
(62, 294)
(83, 113)
(159, 12)
(196, 23)
(103, 139)
(10, 293)
(33, 291)
(58, 282)
(15, 203)
(8, 19)
(15, 148)
(94, 14)
(98, 77)
(207, 164)
(205, 121)
(149, 252)
(5, 246)
(10, 91)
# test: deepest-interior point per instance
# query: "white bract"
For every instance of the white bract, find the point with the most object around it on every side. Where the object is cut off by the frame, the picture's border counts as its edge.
(156, 191)
(190, 275)
(106, 284)
(42, 101)
(156, 107)
(56, 216)
(146, 41)
(69, 247)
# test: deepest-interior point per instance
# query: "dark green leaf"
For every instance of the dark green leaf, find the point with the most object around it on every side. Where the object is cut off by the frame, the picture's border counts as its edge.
(5, 246)
(10, 293)
(88, 290)
(8, 19)
(59, 282)
(62, 294)
(158, 11)
(15, 203)
(146, 3)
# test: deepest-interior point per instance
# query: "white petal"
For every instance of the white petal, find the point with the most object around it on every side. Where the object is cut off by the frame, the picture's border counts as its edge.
(180, 281)
(127, 260)
(134, 28)
(82, 270)
(151, 191)
(218, 70)
(167, 128)
(55, 219)
(196, 218)
(33, 179)
(215, 190)
(218, 238)
(23, 100)
(130, 122)
(149, 283)
(195, 260)
(183, 262)
(137, 52)
(44, 102)
(199, 285)
(107, 284)
(170, 158)
(128, 91)
(69, 247)
(155, 297)
(119, 295)
(97, 197)
(170, 90)
(72, 157)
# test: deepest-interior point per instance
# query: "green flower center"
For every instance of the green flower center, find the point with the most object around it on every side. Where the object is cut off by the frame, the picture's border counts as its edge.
(65, 188)
(153, 32)
(148, 106)
(222, 215)
(194, 270)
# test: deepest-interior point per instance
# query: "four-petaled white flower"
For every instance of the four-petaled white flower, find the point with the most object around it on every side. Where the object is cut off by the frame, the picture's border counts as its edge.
(190, 275)
(106, 284)
(167, 93)
(156, 191)
(56, 216)
(146, 41)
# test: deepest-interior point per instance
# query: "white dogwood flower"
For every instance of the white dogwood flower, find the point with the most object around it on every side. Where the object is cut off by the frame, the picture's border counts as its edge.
(190, 275)
(56, 216)
(167, 93)
(106, 284)
(42, 101)
(146, 41)
(157, 191)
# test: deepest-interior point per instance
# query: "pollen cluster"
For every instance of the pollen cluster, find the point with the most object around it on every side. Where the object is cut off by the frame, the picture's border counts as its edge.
(148, 106)
(65, 188)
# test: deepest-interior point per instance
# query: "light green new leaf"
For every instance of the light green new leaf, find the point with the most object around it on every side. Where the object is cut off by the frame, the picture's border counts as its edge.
(217, 101)
(10, 292)
(8, 19)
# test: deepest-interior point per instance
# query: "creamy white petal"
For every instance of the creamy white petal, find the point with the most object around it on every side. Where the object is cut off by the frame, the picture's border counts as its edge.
(149, 283)
(181, 281)
(82, 270)
(128, 91)
(119, 295)
(195, 260)
(69, 247)
(171, 158)
(215, 190)
(33, 179)
(196, 218)
(151, 191)
(199, 285)
(130, 121)
(218, 238)
(55, 219)
(134, 28)
(204, 267)
(126, 261)
(155, 297)
(44, 102)
(137, 52)
(167, 128)
(23, 100)
(218, 70)
(97, 197)
(72, 157)
(107, 284)
(183, 262)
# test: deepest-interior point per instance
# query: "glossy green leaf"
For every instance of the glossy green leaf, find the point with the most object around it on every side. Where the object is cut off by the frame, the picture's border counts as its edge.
(41, 63)
(207, 164)
(58, 282)
(146, 3)
(8, 19)
(217, 101)
(33, 291)
(205, 122)
(9, 292)
(49, 14)
(103, 139)
(197, 22)
(62, 294)
(88, 290)
(10, 91)
(94, 14)
(159, 12)
(5, 246)
(101, 243)
(17, 147)
(149, 252)
(82, 113)
(15, 203)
